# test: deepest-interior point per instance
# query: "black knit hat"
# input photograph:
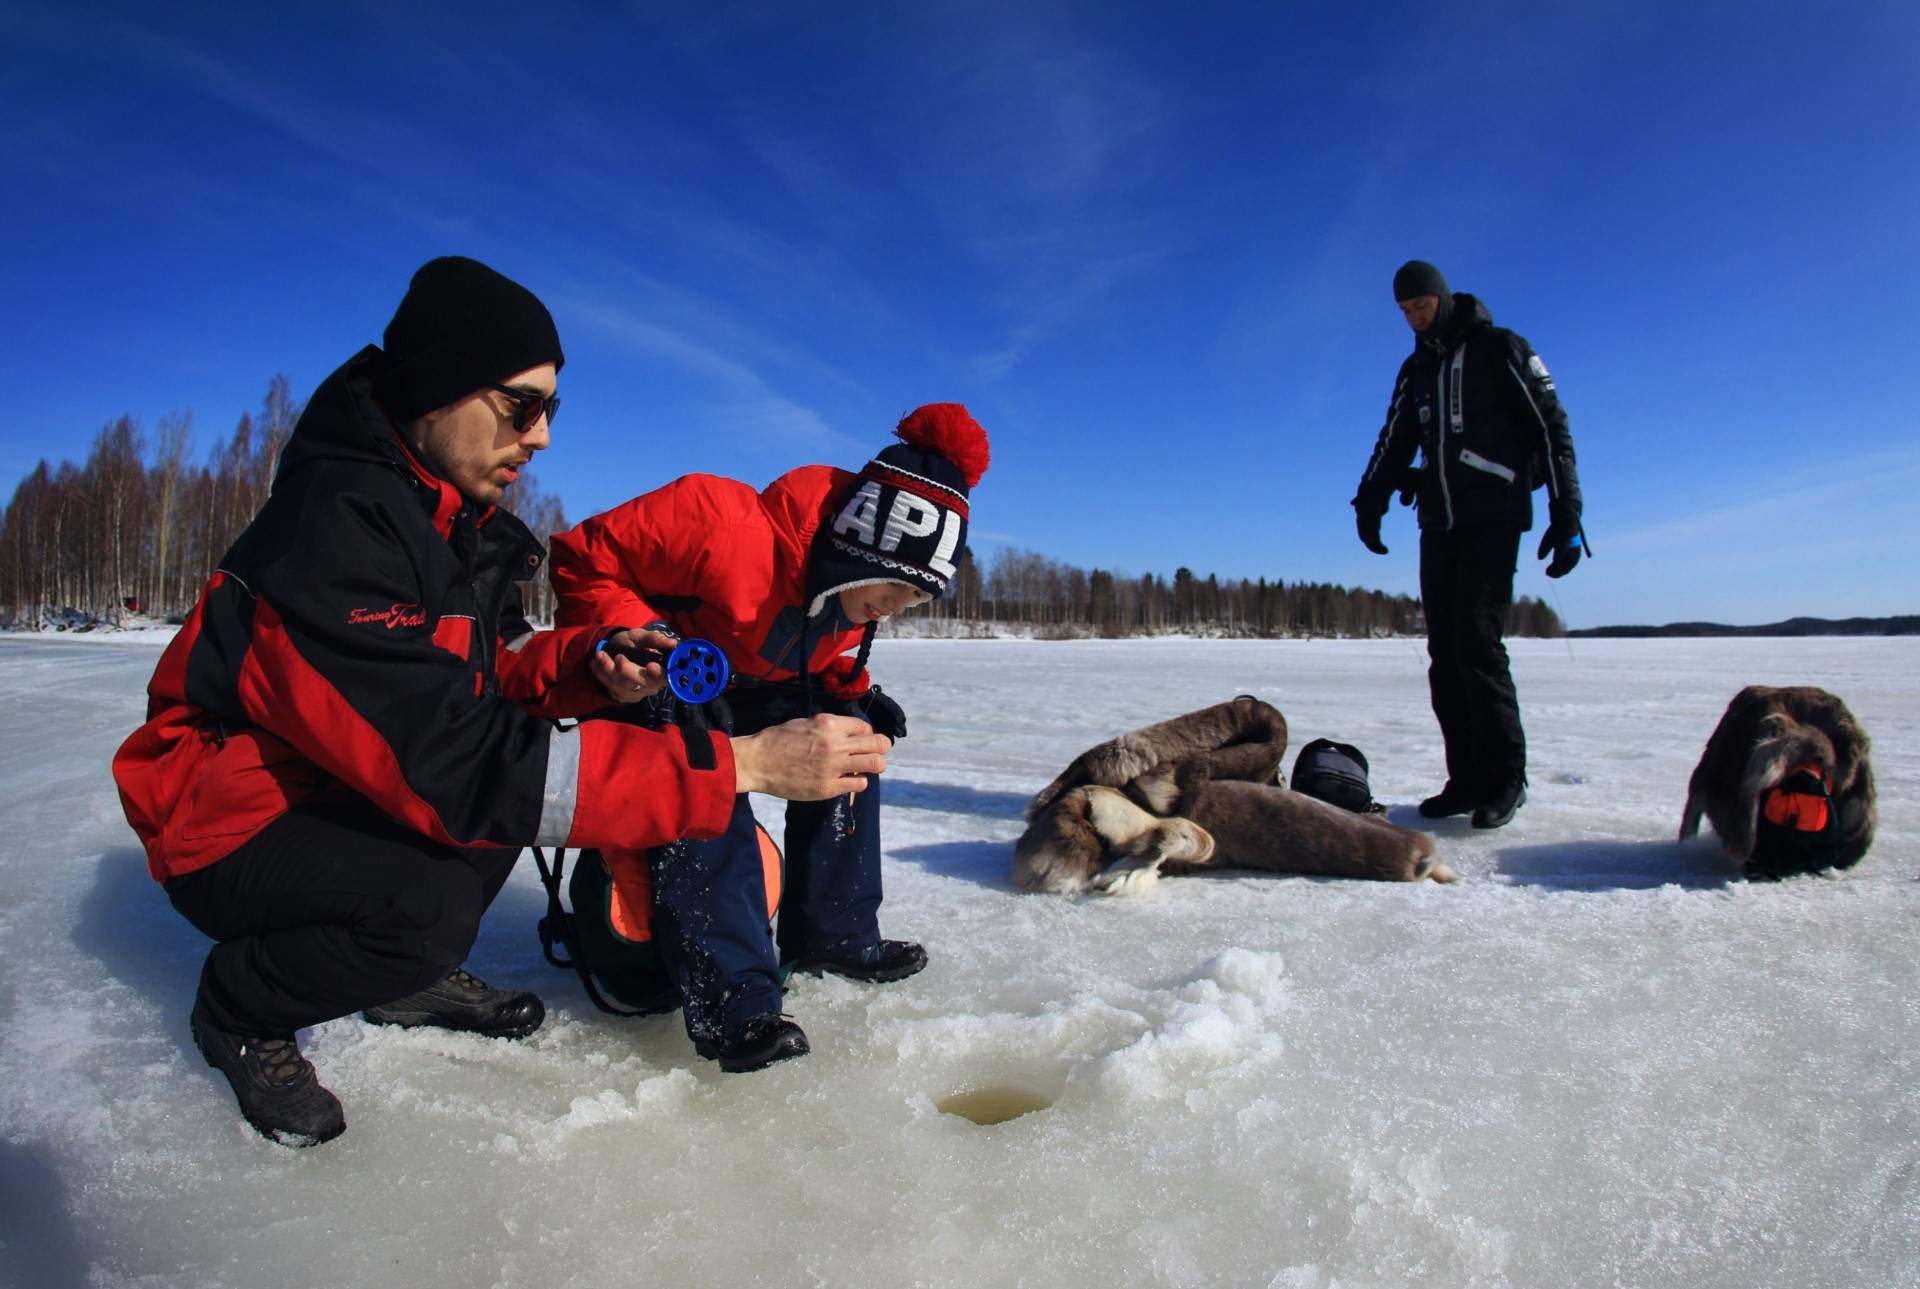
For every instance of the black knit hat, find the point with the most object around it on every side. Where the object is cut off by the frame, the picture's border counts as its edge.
(1417, 278)
(460, 328)
(906, 518)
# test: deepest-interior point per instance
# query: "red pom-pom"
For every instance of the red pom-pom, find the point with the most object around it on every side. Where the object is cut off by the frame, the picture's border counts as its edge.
(949, 430)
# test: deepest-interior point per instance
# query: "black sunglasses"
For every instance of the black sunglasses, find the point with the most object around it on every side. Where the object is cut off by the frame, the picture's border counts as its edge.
(528, 406)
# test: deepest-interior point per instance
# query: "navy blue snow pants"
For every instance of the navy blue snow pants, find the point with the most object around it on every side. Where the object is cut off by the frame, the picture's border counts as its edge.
(710, 906)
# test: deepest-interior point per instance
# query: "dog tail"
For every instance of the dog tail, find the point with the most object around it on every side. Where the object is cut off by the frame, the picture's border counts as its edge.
(1690, 818)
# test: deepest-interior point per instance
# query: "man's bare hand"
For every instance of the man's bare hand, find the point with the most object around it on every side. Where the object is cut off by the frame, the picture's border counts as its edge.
(625, 680)
(810, 759)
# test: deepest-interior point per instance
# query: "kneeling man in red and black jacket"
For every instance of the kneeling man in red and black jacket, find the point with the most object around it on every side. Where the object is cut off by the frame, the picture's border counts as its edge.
(354, 732)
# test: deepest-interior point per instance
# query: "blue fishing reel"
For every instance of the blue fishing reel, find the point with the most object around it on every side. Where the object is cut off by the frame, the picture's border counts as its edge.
(697, 672)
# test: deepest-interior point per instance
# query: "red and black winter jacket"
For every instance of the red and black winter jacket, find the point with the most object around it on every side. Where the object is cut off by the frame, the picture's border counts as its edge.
(364, 635)
(711, 557)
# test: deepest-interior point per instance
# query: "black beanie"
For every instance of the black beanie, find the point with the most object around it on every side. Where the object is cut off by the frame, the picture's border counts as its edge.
(460, 328)
(906, 517)
(1417, 278)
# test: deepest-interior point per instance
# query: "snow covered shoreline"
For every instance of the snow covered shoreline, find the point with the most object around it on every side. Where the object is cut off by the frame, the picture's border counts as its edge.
(1600, 1059)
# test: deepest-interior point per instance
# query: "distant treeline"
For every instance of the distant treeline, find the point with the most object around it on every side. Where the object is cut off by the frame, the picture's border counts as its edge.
(1027, 592)
(1904, 625)
(138, 529)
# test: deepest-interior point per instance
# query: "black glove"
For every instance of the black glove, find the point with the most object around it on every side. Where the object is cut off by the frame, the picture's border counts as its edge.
(1562, 538)
(1409, 485)
(1368, 522)
(886, 716)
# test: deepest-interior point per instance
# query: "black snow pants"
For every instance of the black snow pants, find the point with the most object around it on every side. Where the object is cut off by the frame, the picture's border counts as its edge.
(329, 909)
(1466, 586)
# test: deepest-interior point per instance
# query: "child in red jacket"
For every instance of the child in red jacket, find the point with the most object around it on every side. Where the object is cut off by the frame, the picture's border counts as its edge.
(787, 582)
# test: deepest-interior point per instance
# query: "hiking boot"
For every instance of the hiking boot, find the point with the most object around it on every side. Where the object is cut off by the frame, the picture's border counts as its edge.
(1450, 800)
(278, 1091)
(467, 1003)
(1498, 810)
(758, 1043)
(879, 962)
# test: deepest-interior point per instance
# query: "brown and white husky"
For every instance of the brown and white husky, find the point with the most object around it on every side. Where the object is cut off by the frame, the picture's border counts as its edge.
(1197, 792)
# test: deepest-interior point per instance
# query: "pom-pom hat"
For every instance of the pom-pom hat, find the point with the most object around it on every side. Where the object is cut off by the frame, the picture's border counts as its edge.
(906, 518)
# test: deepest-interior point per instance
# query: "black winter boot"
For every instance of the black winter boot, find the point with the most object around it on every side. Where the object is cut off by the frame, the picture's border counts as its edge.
(1450, 800)
(1498, 810)
(758, 1043)
(878, 963)
(465, 1002)
(278, 1091)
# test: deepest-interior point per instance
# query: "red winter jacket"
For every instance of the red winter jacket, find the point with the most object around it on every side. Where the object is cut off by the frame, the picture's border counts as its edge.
(711, 557)
(364, 636)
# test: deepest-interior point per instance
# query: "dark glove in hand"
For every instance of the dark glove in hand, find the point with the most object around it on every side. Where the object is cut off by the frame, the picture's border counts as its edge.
(1562, 538)
(886, 716)
(1368, 522)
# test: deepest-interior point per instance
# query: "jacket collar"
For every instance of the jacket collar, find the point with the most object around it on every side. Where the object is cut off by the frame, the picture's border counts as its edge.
(447, 500)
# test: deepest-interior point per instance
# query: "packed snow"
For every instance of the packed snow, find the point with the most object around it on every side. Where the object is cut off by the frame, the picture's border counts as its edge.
(1599, 1059)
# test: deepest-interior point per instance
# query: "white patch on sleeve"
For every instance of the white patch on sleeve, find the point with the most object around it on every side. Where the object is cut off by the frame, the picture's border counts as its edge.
(562, 792)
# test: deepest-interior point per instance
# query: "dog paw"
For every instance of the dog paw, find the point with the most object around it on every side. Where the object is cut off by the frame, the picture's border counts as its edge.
(1126, 881)
(1434, 870)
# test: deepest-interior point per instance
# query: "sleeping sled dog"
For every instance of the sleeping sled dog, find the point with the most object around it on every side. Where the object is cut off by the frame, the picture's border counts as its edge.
(1768, 738)
(1198, 792)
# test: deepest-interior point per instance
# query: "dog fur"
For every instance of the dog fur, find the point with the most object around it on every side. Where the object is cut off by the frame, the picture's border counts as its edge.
(1243, 739)
(1764, 734)
(1194, 793)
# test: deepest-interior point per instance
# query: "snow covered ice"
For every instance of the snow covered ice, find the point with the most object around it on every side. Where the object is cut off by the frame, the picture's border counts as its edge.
(1600, 1059)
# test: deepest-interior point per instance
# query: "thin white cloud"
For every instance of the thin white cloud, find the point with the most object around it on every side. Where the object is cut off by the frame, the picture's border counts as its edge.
(1826, 495)
(748, 411)
(780, 423)
(656, 340)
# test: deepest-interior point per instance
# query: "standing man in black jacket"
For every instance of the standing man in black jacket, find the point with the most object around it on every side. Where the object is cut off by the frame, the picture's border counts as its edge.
(1477, 404)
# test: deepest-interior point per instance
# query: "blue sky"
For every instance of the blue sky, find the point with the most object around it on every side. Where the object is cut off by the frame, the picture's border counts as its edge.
(1149, 245)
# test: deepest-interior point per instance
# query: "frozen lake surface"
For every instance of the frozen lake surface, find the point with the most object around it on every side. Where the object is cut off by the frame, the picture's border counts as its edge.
(1600, 1059)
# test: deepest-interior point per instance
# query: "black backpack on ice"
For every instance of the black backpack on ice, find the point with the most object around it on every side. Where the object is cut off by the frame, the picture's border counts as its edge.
(1335, 773)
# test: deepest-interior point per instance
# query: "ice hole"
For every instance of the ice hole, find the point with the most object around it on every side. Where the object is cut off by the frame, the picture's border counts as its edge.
(988, 1106)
